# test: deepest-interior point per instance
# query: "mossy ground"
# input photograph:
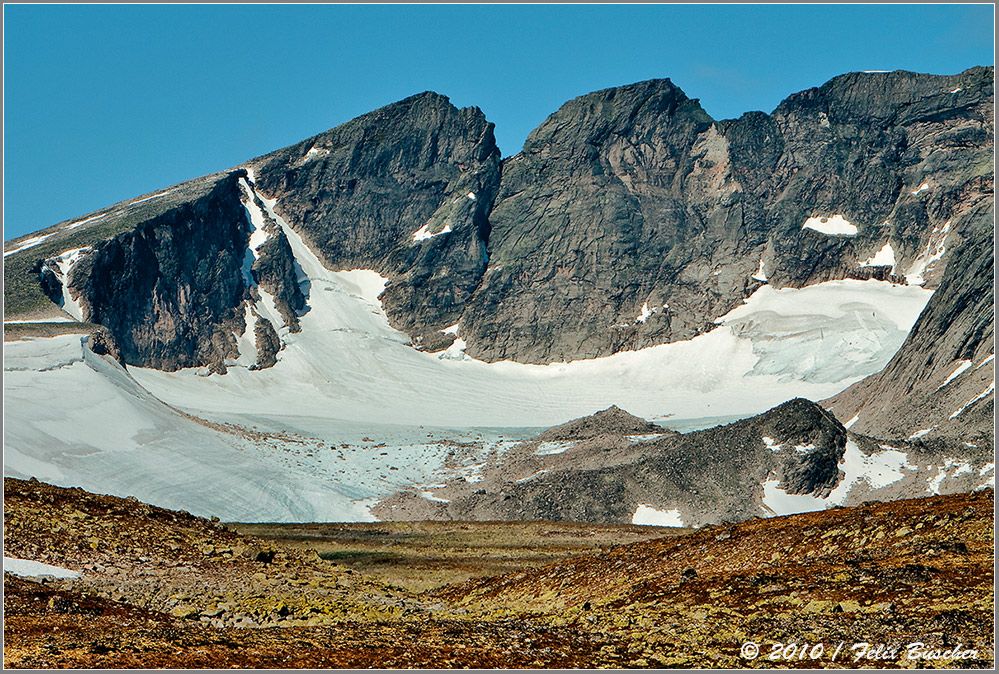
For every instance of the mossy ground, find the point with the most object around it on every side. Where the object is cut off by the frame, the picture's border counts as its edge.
(166, 589)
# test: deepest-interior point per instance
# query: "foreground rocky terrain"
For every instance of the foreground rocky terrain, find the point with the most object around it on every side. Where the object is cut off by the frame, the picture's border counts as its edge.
(161, 588)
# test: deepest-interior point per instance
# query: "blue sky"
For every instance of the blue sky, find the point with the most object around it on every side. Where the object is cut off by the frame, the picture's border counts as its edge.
(102, 103)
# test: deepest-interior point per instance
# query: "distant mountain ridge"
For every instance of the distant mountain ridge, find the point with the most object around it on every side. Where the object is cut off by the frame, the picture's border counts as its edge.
(630, 219)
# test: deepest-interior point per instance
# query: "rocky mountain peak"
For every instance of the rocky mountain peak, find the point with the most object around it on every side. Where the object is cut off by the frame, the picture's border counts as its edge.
(611, 421)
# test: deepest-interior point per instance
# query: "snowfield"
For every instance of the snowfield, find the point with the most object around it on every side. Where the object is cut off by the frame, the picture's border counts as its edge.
(352, 412)
(349, 363)
(32, 569)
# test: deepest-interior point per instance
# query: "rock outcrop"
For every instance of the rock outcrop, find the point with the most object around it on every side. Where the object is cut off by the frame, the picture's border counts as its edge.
(794, 457)
(589, 470)
(171, 289)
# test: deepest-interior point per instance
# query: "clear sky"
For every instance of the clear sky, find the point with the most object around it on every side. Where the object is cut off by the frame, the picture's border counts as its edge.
(103, 103)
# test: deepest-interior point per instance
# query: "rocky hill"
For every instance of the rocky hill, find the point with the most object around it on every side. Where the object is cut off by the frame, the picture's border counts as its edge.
(612, 467)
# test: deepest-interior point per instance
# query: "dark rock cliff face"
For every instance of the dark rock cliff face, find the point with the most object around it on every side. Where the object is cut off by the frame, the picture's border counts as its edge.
(630, 218)
(171, 290)
(916, 392)
(168, 290)
(404, 190)
(631, 202)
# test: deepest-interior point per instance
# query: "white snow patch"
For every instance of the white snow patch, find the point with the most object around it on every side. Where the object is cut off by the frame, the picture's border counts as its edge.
(646, 312)
(771, 444)
(364, 283)
(836, 225)
(759, 275)
(531, 477)
(921, 433)
(836, 300)
(246, 342)
(451, 330)
(471, 195)
(874, 71)
(64, 263)
(268, 310)
(81, 223)
(155, 196)
(258, 236)
(986, 468)
(548, 448)
(954, 91)
(429, 495)
(882, 468)
(921, 188)
(852, 421)
(778, 502)
(423, 233)
(962, 365)
(454, 352)
(989, 389)
(51, 319)
(987, 360)
(935, 249)
(804, 449)
(878, 470)
(883, 258)
(315, 153)
(943, 472)
(29, 243)
(27, 567)
(644, 437)
(473, 474)
(648, 516)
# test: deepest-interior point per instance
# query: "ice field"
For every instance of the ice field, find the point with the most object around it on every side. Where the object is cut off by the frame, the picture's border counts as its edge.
(352, 413)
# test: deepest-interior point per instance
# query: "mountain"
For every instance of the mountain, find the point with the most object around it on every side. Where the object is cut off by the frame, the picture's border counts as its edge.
(394, 277)
(632, 218)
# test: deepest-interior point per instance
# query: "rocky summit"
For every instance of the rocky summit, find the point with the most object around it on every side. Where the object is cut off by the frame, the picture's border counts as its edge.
(630, 218)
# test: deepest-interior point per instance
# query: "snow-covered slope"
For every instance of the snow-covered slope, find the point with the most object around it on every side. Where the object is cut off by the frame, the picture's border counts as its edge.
(303, 440)
(348, 363)
(298, 441)
(73, 418)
